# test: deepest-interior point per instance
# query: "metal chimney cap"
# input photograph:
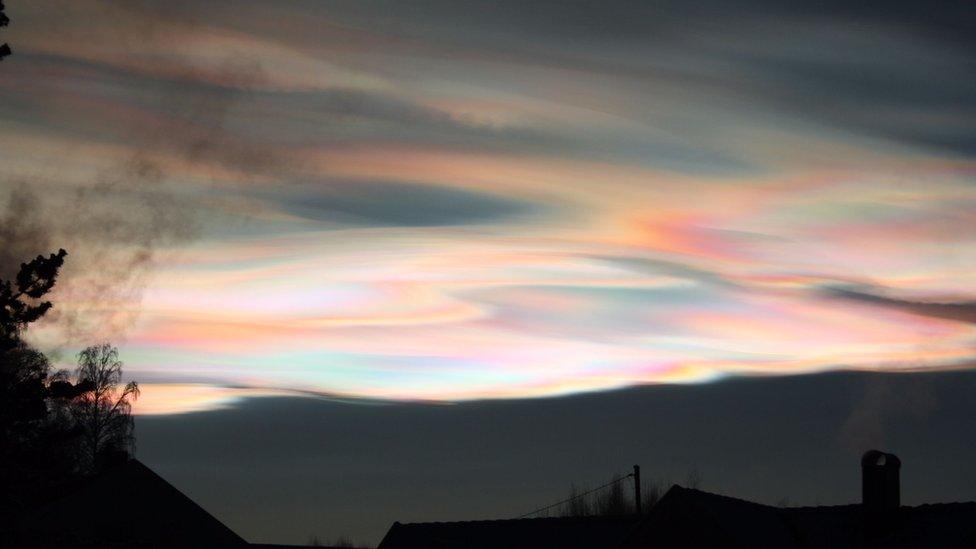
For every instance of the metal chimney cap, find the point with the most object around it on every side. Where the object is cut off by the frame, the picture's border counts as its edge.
(875, 458)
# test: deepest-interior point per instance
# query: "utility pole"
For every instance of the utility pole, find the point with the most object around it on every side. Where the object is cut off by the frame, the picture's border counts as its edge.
(637, 487)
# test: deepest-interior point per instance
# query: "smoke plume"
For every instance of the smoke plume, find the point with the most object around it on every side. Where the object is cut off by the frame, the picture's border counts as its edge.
(118, 226)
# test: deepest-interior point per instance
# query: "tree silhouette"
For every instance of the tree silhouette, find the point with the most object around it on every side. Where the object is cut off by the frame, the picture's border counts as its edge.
(4, 21)
(23, 370)
(19, 305)
(615, 497)
(34, 451)
(53, 431)
(104, 411)
(611, 499)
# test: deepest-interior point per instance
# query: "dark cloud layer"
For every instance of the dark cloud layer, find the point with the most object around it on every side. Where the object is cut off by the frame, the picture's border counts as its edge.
(392, 203)
(896, 71)
(963, 312)
(331, 468)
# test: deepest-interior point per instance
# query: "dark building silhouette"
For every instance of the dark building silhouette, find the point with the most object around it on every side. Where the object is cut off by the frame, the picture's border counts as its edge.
(692, 518)
(128, 506)
(280, 546)
(561, 532)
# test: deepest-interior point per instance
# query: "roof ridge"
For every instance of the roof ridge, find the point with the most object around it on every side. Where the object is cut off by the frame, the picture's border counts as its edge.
(940, 504)
(694, 491)
(592, 518)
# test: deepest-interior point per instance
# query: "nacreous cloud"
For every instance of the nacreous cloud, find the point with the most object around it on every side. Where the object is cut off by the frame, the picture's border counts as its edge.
(452, 199)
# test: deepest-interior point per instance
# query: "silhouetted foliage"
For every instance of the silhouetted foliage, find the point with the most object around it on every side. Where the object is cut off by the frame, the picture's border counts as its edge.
(613, 500)
(19, 305)
(53, 430)
(103, 410)
(340, 542)
(579, 505)
(616, 499)
(344, 543)
(35, 444)
(651, 492)
(4, 21)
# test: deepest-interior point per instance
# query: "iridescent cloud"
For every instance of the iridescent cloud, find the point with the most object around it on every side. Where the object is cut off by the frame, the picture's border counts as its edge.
(453, 202)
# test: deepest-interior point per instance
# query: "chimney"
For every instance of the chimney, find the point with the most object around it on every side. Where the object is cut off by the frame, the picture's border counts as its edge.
(880, 490)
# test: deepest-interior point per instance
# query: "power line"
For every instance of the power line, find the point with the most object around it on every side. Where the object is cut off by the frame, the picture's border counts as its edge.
(577, 496)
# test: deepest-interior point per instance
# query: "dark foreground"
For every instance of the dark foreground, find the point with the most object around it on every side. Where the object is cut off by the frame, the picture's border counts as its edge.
(331, 468)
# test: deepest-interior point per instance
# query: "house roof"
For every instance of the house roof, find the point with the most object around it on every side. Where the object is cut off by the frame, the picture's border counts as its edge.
(128, 506)
(563, 532)
(692, 518)
(286, 546)
(932, 525)
(686, 517)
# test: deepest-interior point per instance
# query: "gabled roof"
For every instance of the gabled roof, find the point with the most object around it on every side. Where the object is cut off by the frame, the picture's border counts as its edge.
(562, 532)
(686, 517)
(692, 518)
(129, 506)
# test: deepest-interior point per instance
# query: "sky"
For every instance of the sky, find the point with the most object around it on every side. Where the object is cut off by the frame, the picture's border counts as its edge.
(443, 202)
(459, 200)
